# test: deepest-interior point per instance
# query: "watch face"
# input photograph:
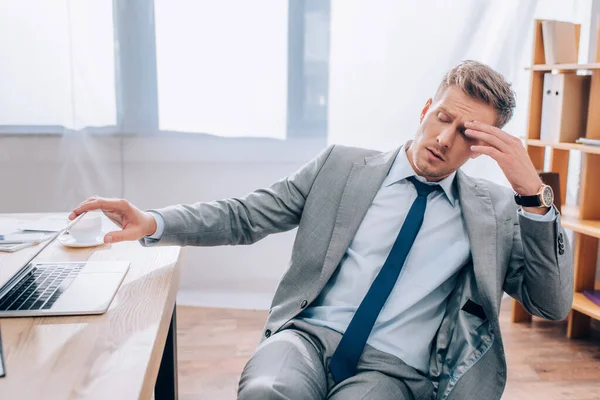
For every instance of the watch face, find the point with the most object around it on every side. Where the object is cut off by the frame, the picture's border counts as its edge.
(548, 196)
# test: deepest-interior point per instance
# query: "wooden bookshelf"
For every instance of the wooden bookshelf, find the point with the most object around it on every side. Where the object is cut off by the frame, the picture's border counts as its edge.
(564, 67)
(563, 146)
(585, 306)
(584, 218)
(570, 220)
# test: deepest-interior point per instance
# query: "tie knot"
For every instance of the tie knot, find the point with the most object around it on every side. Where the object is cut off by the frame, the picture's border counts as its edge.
(423, 189)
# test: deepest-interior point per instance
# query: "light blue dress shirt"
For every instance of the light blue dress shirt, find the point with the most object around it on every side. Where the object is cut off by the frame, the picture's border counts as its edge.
(414, 310)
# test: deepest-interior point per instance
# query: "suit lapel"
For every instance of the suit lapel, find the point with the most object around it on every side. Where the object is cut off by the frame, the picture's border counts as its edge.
(480, 220)
(362, 185)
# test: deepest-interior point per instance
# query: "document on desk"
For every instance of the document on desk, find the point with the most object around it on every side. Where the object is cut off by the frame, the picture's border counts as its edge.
(30, 237)
(11, 248)
(2, 373)
(50, 223)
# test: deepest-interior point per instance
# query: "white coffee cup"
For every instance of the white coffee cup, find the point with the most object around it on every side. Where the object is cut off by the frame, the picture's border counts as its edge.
(87, 228)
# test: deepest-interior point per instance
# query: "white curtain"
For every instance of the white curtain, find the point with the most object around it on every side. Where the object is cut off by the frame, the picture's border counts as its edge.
(388, 58)
(57, 66)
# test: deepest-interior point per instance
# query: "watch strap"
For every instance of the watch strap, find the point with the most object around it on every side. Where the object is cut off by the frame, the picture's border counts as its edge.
(528, 201)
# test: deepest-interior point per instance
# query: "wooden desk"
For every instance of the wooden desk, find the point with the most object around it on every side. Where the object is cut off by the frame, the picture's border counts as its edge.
(112, 356)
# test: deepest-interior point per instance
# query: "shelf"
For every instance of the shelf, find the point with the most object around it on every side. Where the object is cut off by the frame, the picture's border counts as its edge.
(585, 306)
(569, 220)
(564, 146)
(563, 67)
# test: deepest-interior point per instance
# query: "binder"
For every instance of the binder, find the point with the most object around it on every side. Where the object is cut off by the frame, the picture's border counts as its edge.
(564, 107)
(560, 42)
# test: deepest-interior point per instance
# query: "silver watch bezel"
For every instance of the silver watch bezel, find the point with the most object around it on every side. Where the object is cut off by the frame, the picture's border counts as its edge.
(542, 196)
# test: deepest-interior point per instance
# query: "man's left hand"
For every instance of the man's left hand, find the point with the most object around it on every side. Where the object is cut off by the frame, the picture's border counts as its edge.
(511, 156)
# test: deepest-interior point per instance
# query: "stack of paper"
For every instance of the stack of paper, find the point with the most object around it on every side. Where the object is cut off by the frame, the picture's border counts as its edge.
(23, 237)
(51, 223)
(16, 235)
(11, 248)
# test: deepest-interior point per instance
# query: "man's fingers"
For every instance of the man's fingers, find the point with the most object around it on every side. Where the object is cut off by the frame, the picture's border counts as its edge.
(75, 213)
(487, 138)
(121, 236)
(102, 204)
(492, 130)
(489, 151)
(89, 206)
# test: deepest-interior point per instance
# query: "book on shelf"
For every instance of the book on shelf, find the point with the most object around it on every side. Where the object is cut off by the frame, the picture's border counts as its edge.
(593, 295)
(560, 42)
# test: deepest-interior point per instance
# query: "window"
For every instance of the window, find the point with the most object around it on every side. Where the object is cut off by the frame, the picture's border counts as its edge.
(229, 68)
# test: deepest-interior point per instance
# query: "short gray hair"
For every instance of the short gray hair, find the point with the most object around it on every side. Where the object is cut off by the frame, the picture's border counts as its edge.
(483, 84)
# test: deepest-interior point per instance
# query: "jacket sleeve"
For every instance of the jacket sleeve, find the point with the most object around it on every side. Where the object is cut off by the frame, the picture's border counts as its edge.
(540, 271)
(245, 220)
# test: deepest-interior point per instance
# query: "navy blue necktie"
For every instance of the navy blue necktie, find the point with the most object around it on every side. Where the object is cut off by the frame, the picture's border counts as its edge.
(344, 360)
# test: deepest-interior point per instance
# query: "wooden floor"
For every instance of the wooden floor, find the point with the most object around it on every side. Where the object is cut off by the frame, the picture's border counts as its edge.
(214, 345)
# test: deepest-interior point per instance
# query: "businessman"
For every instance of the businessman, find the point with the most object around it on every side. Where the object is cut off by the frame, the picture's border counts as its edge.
(400, 260)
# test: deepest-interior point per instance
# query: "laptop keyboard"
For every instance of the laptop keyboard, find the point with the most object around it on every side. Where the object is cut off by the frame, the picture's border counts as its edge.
(40, 288)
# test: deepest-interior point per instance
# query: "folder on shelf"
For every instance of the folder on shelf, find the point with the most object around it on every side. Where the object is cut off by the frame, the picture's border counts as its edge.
(564, 107)
(560, 42)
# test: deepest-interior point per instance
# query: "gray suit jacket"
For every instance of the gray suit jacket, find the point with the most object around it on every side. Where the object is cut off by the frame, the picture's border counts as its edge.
(327, 200)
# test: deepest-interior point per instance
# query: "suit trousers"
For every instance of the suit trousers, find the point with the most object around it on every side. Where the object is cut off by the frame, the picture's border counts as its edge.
(293, 364)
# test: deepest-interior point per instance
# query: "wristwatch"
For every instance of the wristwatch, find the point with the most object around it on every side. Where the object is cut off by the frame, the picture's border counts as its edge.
(543, 198)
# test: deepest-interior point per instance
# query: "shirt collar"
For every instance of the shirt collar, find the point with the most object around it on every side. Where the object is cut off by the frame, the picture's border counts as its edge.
(401, 169)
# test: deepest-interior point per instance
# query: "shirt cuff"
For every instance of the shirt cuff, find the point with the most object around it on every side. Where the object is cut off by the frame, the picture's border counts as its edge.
(160, 226)
(550, 216)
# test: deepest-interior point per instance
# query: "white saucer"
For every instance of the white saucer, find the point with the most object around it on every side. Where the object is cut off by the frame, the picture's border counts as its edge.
(69, 241)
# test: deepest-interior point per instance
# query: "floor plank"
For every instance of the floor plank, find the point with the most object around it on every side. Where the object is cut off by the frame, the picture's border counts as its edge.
(214, 345)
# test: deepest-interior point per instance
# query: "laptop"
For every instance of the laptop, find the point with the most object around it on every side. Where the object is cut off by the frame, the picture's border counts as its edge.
(61, 288)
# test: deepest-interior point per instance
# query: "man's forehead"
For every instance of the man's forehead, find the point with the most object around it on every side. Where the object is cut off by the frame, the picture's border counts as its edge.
(460, 105)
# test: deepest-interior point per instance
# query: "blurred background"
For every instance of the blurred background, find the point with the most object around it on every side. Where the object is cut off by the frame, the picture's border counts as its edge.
(164, 102)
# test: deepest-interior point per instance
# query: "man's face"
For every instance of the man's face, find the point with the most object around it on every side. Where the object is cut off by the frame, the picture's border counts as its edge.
(440, 146)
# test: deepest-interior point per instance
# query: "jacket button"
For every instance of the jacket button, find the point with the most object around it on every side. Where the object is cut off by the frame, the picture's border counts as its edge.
(304, 304)
(267, 333)
(560, 238)
(561, 251)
